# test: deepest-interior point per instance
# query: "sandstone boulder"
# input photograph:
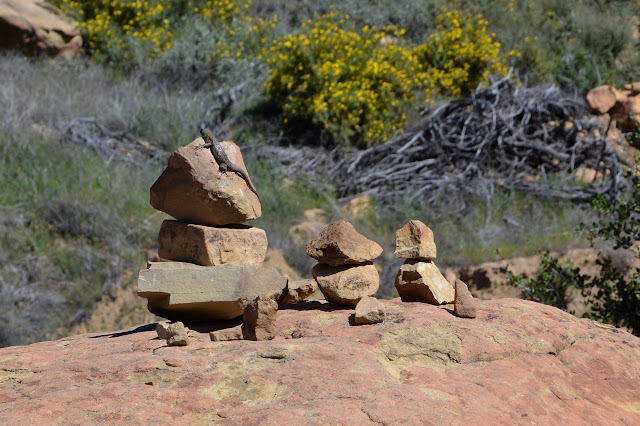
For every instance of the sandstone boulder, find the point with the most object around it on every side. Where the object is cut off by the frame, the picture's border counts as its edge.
(186, 292)
(192, 188)
(176, 334)
(297, 291)
(259, 319)
(602, 98)
(346, 285)
(340, 244)
(210, 246)
(415, 241)
(421, 281)
(369, 310)
(35, 27)
(226, 334)
(464, 305)
(161, 330)
(518, 362)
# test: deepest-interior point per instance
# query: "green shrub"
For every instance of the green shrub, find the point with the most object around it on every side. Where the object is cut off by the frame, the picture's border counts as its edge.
(613, 296)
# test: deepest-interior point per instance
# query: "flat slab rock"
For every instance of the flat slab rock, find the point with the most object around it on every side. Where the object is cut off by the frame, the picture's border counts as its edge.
(518, 362)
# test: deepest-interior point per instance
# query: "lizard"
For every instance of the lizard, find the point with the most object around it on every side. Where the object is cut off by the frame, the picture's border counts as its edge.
(222, 159)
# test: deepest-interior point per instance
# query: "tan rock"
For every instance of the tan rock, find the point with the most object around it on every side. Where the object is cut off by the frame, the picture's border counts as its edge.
(316, 215)
(602, 98)
(192, 189)
(369, 310)
(35, 27)
(359, 206)
(421, 281)
(187, 292)
(464, 305)
(161, 330)
(304, 232)
(226, 334)
(346, 285)
(340, 244)
(177, 334)
(259, 319)
(297, 291)
(415, 241)
(209, 246)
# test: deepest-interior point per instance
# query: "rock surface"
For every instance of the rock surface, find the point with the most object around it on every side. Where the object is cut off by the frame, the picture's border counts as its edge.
(259, 319)
(187, 292)
(415, 241)
(518, 362)
(369, 311)
(192, 189)
(422, 281)
(297, 291)
(346, 285)
(340, 244)
(602, 98)
(35, 27)
(210, 246)
(463, 306)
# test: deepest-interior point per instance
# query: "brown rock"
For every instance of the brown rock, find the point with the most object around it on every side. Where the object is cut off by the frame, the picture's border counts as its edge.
(161, 329)
(602, 98)
(297, 291)
(192, 189)
(517, 362)
(177, 335)
(464, 305)
(421, 281)
(186, 292)
(259, 319)
(35, 27)
(415, 241)
(426, 345)
(340, 244)
(226, 334)
(369, 311)
(346, 285)
(209, 246)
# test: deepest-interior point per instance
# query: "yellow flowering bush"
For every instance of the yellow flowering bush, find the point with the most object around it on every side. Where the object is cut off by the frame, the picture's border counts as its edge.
(461, 54)
(352, 83)
(109, 26)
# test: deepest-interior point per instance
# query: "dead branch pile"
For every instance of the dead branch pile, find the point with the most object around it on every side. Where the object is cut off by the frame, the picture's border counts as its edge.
(120, 146)
(530, 139)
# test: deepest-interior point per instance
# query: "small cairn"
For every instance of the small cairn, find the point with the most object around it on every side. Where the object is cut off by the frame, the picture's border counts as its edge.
(419, 279)
(345, 272)
(213, 262)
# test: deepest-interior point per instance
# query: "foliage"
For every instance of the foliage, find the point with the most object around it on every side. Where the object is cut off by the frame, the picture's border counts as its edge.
(613, 296)
(357, 85)
(461, 54)
(118, 31)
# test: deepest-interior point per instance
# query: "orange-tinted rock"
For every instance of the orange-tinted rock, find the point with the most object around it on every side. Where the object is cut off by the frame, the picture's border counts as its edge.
(422, 281)
(518, 362)
(211, 246)
(415, 241)
(602, 98)
(192, 188)
(226, 334)
(464, 305)
(346, 285)
(340, 244)
(35, 27)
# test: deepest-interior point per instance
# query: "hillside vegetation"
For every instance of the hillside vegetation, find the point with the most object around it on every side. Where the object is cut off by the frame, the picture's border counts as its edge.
(83, 140)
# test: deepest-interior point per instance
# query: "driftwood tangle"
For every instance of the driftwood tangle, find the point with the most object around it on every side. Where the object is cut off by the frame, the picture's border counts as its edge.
(508, 135)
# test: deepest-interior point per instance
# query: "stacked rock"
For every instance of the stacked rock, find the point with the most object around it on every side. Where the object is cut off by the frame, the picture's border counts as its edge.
(419, 279)
(344, 273)
(214, 260)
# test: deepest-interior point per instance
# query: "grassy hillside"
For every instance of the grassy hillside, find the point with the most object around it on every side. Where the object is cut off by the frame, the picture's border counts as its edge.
(75, 221)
